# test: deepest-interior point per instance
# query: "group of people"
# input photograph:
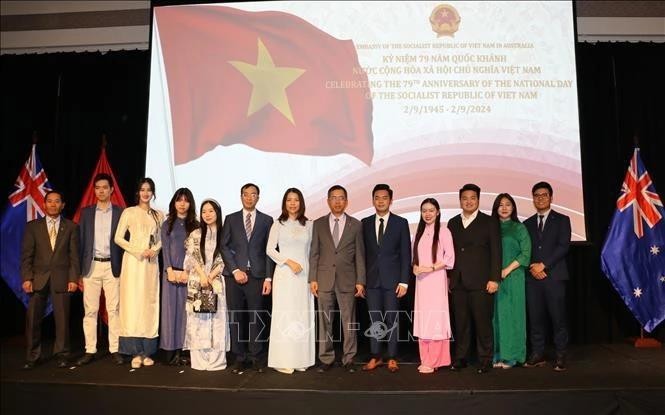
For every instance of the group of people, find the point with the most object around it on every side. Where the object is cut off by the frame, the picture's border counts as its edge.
(480, 271)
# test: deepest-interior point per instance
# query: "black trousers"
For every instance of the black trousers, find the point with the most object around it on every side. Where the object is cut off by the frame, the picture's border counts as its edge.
(475, 306)
(35, 315)
(247, 318)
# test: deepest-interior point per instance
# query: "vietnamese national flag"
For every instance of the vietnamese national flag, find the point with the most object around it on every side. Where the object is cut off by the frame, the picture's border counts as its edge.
(89, 198)
(269, 80)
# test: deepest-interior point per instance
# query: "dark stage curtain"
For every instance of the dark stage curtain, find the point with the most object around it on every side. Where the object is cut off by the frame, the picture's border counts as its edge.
(72, 99)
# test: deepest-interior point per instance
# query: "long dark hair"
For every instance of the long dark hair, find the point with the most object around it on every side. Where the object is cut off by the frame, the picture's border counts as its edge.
(151, 211)
(190, 220)
(204, 230)
(151, 183)
(497, 202)
(301, 212)
(421, 229)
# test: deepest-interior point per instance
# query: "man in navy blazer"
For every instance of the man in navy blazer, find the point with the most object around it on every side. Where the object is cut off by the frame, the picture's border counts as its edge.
(248, 271)
(388, 266)
(101, 259)
(546, 285)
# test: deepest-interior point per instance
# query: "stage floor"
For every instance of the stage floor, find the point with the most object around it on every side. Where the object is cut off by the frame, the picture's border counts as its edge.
(602, 378)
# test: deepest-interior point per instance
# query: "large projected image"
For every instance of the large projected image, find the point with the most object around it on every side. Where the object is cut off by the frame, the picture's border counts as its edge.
(424, 96)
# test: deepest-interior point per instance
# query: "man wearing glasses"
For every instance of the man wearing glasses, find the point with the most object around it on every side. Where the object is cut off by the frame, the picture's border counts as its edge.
(546, 285)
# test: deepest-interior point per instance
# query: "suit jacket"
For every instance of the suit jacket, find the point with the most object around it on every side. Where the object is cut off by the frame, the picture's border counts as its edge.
(477, 252)
(389, 264)
(340, 267)
(87, 239)
(550, 247)
(236, 249)
(41, 264)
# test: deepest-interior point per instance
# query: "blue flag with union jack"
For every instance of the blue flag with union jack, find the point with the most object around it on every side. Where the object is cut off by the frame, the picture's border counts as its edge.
(25, 204)
(633, 256)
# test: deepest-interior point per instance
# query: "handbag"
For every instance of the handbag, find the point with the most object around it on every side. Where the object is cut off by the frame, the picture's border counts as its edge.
(205, 301)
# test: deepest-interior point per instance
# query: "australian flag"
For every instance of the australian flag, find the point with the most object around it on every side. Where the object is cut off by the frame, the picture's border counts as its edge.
(25, 204)
(633, 256)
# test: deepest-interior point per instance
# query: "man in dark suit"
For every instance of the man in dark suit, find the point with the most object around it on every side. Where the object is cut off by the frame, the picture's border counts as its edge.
(337, 274)
(101, 259)
(546, 285)
(248, 271)
(388, 264)
(475, 278)
(49, 266)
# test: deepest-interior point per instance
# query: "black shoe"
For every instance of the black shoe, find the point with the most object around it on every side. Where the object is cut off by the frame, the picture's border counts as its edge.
(350, 367)
(484, 368)
(323, 367)
(238, 368)
(85, 359)
(184, 361)
(535, 361)
(256, 365)
(560, 364)
(117, 358)
(61, 362)
(29, 365)
(458, 365)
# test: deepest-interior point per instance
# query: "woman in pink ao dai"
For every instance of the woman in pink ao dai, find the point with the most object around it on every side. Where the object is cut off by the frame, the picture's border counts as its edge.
(433, 254)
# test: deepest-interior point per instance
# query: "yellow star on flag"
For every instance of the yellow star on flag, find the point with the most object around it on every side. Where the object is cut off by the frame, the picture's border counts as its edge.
(269, 82)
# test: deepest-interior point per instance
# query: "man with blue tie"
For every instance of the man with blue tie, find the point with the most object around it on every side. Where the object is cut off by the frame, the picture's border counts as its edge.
(388, 265)
(101, 260)
(546, 286)
(248, 275)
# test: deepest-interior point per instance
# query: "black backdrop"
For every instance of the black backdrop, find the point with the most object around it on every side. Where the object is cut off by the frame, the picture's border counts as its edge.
(71, 99)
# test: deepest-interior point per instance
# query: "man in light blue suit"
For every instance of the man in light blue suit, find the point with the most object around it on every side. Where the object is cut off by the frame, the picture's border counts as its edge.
(101, 260)
(388, 265)
(248, 273)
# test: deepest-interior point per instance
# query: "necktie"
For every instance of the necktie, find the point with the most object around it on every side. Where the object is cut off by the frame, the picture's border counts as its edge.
(335, 234)
(53, 233)
(378, 240)
(248, 225)
(540, 223)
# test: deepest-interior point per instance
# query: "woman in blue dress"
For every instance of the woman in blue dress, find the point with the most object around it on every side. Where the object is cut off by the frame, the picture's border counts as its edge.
(175, 229)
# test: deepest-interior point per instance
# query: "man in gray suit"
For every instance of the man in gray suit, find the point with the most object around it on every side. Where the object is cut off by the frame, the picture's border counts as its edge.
(337, 273)
(49, 266)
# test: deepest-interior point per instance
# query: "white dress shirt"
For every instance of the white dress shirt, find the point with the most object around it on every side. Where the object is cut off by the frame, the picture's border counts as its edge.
(466, 221)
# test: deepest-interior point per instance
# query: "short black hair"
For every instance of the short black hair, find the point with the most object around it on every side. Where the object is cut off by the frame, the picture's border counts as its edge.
(246, 185)
(470, 186)
(338, 187)
(383, 186)
(57, 192)
(103, 176)
(542, 185)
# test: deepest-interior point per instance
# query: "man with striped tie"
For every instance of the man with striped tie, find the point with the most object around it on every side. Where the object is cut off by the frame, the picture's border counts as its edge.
(248, 276)
(49, 266)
